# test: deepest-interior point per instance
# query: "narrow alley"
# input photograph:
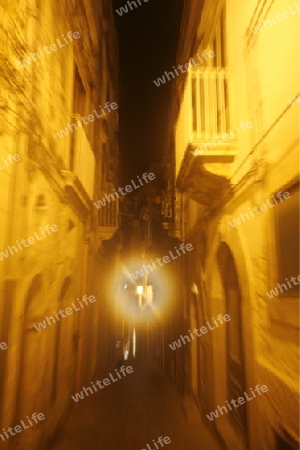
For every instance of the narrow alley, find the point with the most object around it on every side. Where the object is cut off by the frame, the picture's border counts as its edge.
(149, 218)
(137, 410)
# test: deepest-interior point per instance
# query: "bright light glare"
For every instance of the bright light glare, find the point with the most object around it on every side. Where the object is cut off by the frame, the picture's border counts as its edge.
(149, 295)
(123, 301)
(139, 289)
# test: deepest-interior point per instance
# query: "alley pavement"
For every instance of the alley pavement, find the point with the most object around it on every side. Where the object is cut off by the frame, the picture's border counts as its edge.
(131, 413)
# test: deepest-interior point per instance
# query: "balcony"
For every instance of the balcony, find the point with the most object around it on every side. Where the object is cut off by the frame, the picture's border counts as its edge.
(80, 176)
(108, 215)
(204, 126)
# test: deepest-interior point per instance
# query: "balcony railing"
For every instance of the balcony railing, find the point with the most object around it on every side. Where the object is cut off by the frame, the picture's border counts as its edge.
(210, 105)
(108, 214)
(204, 115)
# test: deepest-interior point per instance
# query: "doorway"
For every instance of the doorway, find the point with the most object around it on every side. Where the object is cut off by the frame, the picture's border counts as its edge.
(66, 346)
(236, 382)
(32, 387)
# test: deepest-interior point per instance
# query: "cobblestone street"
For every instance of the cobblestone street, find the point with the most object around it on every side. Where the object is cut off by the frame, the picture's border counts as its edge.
(133, 412)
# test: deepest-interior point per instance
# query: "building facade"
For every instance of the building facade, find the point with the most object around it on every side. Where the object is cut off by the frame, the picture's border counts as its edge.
(59, 154)
(234, 143)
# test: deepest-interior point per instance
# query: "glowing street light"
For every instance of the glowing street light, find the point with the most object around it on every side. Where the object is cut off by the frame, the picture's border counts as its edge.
(149, 295)
(139, 290)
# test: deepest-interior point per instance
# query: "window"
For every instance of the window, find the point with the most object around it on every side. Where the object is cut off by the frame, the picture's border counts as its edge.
(219, 41)
(79, 95)
(287, 241)
(222, 37)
